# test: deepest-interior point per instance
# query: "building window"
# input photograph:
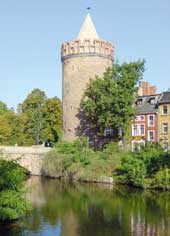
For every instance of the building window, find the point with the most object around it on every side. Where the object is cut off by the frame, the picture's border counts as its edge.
(152, 101)
(165, 147)
(81, 49)
(151, 135)
(142, 130)
(151, 120)
(136, 145)
(139, 102)
(138, 130)
(108, 132)
(164, 110)
(165, 128)
(135, 130)
(140, 118)
(72, 50)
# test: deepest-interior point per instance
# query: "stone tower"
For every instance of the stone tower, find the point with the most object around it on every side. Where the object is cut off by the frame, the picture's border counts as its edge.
(82, 59)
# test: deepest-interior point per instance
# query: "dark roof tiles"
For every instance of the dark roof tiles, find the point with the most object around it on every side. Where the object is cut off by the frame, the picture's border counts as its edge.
(165, 98)
(146, 105)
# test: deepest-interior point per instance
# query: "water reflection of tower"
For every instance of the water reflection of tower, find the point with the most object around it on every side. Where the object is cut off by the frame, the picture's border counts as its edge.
(69, 225)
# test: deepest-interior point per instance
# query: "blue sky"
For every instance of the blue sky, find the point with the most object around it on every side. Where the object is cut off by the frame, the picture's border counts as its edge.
(31, 34)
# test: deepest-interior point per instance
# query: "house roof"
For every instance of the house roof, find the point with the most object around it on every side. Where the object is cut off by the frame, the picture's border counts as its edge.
(146, 106)
(165, 98)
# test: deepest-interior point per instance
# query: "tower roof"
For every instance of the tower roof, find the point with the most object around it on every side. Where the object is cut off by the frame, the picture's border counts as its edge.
(88, 30)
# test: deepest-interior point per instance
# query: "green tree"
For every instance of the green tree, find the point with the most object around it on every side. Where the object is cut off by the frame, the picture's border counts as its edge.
(5, 130)
(17, 124)
(32, 107)
(13, 203)
(53, 119)
(3, 108)
(42, 117)
(108, 101)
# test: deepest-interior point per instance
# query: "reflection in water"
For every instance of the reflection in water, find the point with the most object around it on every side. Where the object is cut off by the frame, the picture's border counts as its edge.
(60, 209)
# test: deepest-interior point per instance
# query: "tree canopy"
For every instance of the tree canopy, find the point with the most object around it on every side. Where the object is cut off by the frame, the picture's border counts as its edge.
(37, 119)
(108, 100)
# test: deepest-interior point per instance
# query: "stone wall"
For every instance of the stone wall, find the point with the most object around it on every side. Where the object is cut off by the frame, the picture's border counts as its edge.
(77, 72)
(30, 158)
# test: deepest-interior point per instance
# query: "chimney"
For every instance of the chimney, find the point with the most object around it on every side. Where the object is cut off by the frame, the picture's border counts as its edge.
(146, 90)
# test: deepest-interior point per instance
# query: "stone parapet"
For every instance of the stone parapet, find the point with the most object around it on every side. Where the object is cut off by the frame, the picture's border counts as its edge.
(87, 46)
(31, 158)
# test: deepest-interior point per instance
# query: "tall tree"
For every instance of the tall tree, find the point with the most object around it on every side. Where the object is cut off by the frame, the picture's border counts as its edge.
(43, 117)
(53, 118)
(32, 107)
(108, 101)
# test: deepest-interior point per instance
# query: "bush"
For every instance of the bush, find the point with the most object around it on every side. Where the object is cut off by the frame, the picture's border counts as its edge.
(153, 157)
(162, 179)
(145, 168)
(13, 204)
(132, 171)
(11, 175)
(55, 164)
(80, 162)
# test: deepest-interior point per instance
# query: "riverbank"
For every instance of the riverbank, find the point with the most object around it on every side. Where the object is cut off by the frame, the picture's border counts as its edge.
(147, 168)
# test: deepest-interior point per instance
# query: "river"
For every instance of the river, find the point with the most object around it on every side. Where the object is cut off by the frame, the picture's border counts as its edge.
(62, 209)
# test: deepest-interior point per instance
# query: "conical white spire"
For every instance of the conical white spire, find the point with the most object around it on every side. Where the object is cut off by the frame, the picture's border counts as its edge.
(88, 30)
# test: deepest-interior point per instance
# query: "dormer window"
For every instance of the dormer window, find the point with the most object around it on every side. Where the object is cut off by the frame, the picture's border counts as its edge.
(152, 101)
(139, 102)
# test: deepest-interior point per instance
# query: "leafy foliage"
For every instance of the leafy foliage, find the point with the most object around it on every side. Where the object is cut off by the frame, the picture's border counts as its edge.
(11, 175)
(162, 179)
(79, 162)
(148, 167)
(108, 101)
(38, 118)
(13, 204)
(3, 108)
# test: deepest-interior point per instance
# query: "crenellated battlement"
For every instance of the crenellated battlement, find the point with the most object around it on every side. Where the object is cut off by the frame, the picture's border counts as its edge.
(89, 46)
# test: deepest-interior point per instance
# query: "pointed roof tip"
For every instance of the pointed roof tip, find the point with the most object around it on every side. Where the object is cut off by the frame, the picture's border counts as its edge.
(88, 30)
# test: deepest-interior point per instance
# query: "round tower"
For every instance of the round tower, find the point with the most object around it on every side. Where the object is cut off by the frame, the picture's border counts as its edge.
(82, 59)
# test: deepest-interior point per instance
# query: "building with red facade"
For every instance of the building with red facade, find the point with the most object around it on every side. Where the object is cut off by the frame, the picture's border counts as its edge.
(145, 125)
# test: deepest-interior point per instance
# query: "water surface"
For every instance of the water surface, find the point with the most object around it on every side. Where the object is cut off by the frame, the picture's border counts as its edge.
(62, 209)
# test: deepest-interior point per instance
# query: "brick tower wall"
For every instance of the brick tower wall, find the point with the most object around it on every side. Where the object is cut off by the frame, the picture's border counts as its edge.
(80, 61)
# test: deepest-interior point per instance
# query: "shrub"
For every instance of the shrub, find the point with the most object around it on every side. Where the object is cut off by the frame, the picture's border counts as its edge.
(12, 205)
(162, 179)
(153, 157)
(11, 175)
(144, 168)
(132, 171)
